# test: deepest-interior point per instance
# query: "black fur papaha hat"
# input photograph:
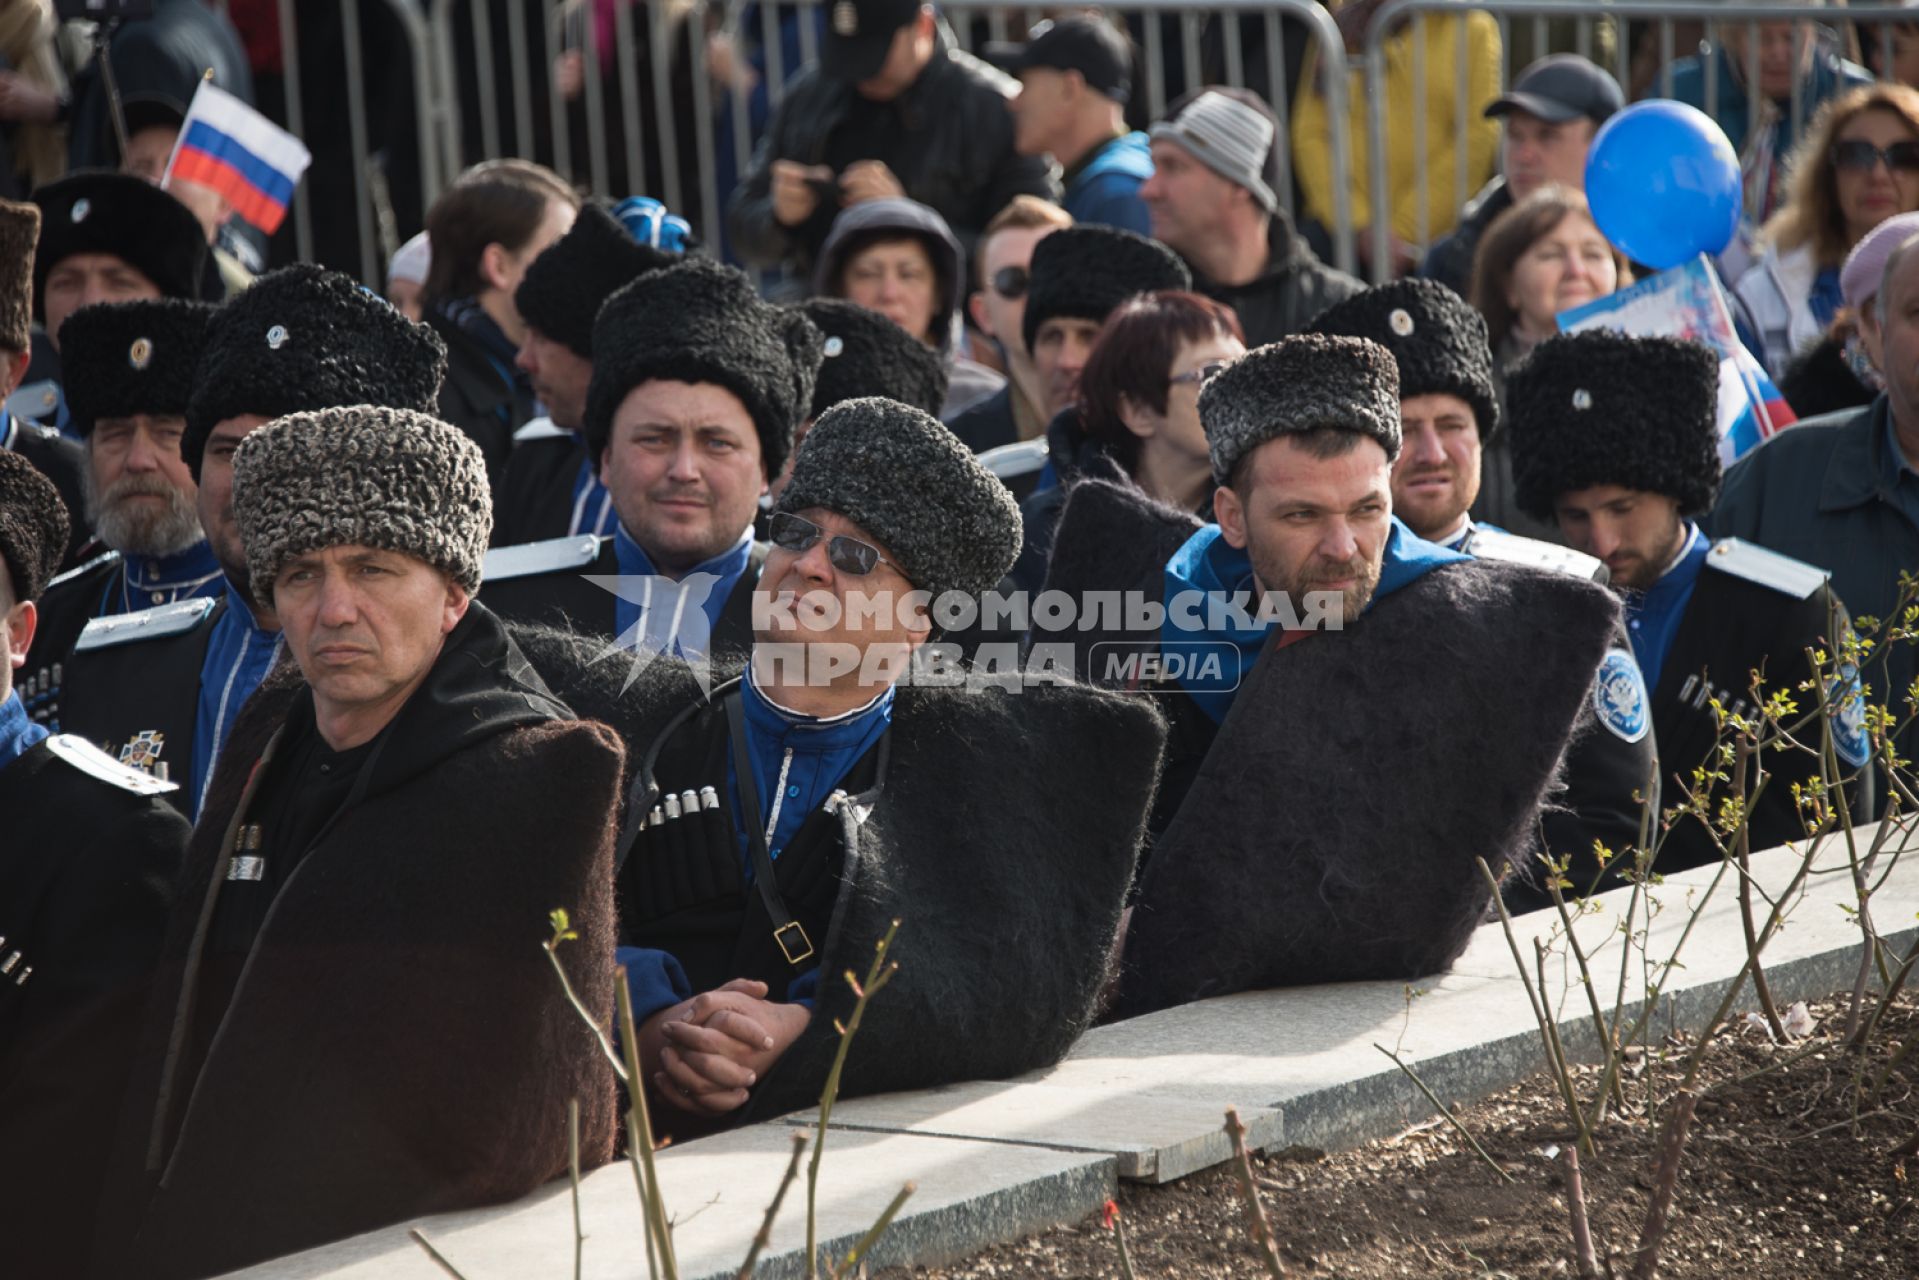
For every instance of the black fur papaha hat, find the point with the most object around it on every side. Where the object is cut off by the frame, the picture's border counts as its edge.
(1437, 339)
(123, 358)
(33, 526)
(865, 354)
(1085, 272)
(565, 287)
(128, 217)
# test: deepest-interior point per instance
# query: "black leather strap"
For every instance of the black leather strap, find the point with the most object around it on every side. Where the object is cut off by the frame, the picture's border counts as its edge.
(787, 932)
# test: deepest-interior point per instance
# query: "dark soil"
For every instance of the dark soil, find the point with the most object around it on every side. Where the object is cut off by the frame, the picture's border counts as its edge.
(1777, 1181)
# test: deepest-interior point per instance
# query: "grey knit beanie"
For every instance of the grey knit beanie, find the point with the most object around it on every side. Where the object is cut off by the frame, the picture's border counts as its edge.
(894, 471)
(1228, 137)
(1296, 385)
(362, 476)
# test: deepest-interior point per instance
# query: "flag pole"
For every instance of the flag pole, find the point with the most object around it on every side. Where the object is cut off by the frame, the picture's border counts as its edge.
(166, 175)
(102, 49)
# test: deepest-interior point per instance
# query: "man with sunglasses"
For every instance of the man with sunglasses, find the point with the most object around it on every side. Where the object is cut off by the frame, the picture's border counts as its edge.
(1020, 409)
(698, 386)
(778, 827)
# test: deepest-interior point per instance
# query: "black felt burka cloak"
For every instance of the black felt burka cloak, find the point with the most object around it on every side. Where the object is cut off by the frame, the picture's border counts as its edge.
(399, 1044)
(1332, 831)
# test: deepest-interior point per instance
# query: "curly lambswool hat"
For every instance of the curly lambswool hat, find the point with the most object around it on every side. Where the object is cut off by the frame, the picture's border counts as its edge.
(566, 285)
(1601, 408)
(123, 358)
(1085, 272)
(33, 526)
(304, 338)
(909, 482)
(865, 354)
(19, 232)
(1437, 339)
(128, 217)
(1300, 384)
(362, 476)
(699, 321)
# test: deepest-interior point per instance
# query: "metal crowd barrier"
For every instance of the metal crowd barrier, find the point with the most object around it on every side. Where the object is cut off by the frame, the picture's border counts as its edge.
(648, 118)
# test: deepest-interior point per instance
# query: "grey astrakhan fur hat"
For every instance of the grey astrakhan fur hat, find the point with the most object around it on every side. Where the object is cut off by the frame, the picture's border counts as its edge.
(1296, 385)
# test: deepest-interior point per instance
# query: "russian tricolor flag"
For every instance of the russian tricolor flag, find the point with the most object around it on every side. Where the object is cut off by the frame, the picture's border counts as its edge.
(233, 149)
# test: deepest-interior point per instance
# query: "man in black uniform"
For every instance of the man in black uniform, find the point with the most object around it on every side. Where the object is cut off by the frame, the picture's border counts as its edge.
(86, 873)
(1617, 439)
(1448, 408)
(131, 367)
(368, 851)
(691, 413)
(776, 827)
(1295, 648)
(162, 688)
(551, 487)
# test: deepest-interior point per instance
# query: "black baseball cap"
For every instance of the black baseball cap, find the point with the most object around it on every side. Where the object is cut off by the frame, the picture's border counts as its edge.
(859, 33)
(1561, 88)
(1081, 43)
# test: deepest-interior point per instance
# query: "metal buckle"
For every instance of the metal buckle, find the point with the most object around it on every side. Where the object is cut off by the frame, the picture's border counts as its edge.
(806, 943)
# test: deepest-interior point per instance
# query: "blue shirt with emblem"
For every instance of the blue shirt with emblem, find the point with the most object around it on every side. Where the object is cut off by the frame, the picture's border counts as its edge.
(147, 581)
(239, 655)
(1653, 615)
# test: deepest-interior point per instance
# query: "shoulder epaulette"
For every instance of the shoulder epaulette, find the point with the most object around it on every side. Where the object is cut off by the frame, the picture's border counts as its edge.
(1497, 544)
(540, 429)
(1755, 563)
(95, 763)
(34, 400)
(84, 568)
(163, 620)
(554, 555)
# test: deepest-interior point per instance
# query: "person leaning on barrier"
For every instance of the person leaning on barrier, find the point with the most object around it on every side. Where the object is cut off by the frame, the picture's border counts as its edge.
(1548, 119)
(130, 367)
(891, 108)
(162, 687)
(1842, 492)
(779, 825)
(86, 877)
(551, 486)
(695, 397)
(1273, 861)
(1211, 202)
(1446, 408)
(1625, 474)
(352, 991)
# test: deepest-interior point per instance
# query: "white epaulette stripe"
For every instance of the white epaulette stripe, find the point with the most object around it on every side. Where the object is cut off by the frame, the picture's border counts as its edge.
(1497, 544)
(1755, 563)
(163, 620)
(82, 569)
(555, 555)
(95, 763)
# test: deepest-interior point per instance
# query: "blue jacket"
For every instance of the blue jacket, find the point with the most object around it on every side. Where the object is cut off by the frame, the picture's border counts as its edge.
(1104, 187)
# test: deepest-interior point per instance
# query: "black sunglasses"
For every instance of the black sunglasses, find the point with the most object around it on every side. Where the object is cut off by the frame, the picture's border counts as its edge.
(1900, 157)
(1010, 282)
(798, 535)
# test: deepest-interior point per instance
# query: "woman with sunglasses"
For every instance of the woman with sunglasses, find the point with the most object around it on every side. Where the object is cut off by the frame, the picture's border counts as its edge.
(1858, 166)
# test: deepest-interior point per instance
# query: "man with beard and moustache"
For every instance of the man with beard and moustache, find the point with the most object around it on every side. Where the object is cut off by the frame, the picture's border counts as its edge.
(131, 367)
(1626, 473)
(778, 825)
(1447, 406)
(696, 393)
(551, 487)
(1296, 647)
(162, 688)
(1079, 276)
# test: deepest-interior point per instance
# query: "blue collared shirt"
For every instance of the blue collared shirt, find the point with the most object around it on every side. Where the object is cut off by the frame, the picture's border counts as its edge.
(592, 502)
(798, 760)
(19, 733)
(659, 617)
(1653, 615)
(146, 581)
(239, 655)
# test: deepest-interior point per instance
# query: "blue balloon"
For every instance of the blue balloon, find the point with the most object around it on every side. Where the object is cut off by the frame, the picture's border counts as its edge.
(1663, 182)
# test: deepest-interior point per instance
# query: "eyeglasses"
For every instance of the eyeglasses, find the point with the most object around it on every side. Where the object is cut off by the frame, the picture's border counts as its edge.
(1200, 376)
(1900, 157)
(849, 555)
(1010, 283)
